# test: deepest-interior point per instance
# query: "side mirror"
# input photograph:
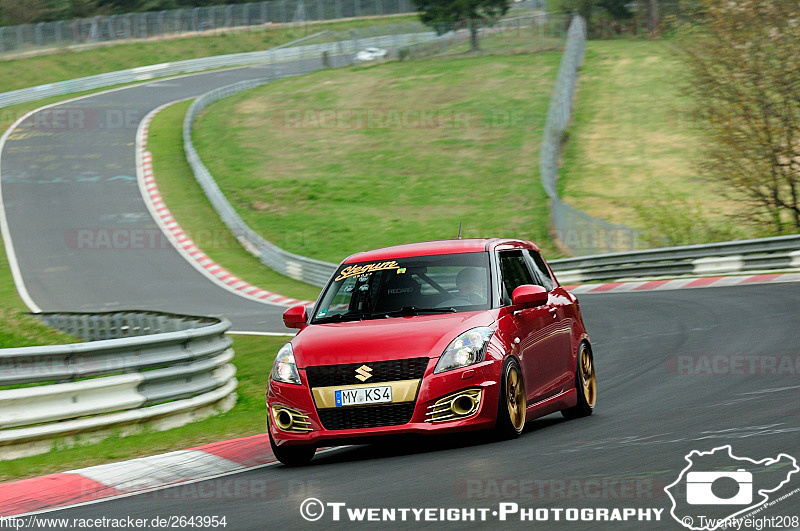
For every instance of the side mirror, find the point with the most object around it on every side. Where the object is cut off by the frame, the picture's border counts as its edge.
(529, 295)
(295, 317)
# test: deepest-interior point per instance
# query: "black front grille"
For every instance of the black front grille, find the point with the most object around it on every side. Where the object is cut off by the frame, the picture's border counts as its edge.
(382, 371)
(344, 418)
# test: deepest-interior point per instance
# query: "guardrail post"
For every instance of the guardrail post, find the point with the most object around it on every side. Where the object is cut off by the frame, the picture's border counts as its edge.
(215, 16)
(284, 17)
(37, 33)
(20, 37)
(338, 8)
(228, 16)
(161, 29)
(128, 31)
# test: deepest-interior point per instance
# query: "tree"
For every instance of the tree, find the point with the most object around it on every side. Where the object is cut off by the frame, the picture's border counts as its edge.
(654, 18)
(444, 15)
(22, 11)
(616, 9)
(744, 65)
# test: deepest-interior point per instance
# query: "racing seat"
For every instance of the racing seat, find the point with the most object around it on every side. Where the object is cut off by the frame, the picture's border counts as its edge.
(402, 290)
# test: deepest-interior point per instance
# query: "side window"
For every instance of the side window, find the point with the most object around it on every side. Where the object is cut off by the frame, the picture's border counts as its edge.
(514, 271)
(540, 270)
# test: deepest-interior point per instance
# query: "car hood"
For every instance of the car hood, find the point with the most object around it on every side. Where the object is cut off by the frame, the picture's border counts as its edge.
(383, 339)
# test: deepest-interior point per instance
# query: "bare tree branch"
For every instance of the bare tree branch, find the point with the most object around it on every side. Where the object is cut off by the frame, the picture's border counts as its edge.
(744, 61)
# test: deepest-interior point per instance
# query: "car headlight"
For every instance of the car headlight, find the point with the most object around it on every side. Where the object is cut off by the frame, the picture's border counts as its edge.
(466, 349)
(284, 369)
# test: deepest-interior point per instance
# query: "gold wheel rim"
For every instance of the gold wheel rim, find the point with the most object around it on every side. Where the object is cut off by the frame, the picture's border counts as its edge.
(515, 398)
(588, 378)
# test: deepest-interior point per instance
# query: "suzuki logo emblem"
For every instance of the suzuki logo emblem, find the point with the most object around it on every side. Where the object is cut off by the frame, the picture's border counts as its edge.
(363, 373)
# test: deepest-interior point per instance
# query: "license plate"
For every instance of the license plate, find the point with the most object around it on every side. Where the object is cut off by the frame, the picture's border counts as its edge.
(363, 395)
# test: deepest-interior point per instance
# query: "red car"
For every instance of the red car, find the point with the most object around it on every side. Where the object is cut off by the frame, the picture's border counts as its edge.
(431, 337)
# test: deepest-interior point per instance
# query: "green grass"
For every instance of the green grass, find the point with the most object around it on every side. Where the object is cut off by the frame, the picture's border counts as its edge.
(191, 208)
(328, 189)
(64, 64)
(18, 329)
(510, 42)
(9, 300)
(253, 360)
(630, 149)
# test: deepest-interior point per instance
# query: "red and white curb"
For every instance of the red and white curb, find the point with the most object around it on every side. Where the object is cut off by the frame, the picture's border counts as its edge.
(137, 476)
(682, 283)
(180, 240)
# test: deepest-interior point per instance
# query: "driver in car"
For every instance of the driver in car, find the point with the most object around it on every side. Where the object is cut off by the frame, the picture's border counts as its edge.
(468, 282)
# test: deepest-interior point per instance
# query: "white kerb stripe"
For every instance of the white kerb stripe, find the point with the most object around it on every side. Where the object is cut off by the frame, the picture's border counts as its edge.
(583, 288)
(675, 284)
(158, 470)
(729, 281)
(627, 286)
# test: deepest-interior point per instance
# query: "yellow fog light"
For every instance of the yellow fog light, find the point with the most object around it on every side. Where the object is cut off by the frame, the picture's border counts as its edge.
(290, 420)
(457, 406)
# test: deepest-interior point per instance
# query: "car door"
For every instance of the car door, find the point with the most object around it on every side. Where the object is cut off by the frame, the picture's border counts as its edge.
(561, 306)
(533, 327)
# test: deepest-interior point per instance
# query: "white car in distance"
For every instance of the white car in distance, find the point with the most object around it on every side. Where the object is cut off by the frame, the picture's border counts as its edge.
(371, 54)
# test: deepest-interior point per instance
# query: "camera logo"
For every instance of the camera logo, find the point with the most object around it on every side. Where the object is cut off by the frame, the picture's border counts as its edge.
(699, 488)
(716, 487)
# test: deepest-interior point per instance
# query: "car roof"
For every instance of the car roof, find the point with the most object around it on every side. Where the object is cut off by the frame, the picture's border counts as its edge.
(468, 245)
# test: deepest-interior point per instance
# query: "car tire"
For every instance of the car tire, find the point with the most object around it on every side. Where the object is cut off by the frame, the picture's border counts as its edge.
(511, 407)
(292, 455)
(585, 385)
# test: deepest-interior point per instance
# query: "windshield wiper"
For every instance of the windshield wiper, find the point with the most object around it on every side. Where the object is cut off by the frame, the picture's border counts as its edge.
(415, 310)
(339, 317)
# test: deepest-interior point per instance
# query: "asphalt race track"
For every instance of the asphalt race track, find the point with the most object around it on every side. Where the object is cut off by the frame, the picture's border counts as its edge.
(658, 400)
(677, 370)
(68, 177)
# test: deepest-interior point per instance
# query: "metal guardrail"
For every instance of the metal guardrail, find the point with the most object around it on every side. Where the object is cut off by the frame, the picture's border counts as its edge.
(575, 230)
(314, 272)
(134, 367)
(144, 73)
(765, 254)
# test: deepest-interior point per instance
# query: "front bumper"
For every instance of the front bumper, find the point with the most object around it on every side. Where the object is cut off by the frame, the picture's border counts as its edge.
(483, 376)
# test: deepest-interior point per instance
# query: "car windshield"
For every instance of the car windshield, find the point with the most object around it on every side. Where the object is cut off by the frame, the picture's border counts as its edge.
(406, 286)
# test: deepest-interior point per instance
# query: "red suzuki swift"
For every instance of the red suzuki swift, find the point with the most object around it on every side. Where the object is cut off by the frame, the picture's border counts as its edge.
(430, 337)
